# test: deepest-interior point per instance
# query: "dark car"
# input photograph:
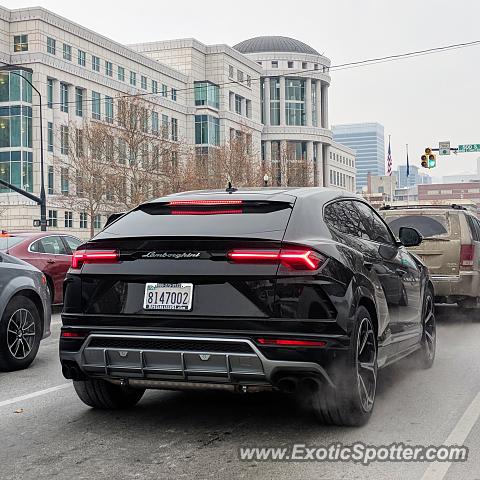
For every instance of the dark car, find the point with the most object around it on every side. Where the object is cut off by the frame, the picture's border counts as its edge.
(302, 290)
(24, 312)
(50, 252)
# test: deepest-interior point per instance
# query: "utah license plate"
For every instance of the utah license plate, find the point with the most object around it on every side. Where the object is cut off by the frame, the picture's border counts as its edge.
(168, 296)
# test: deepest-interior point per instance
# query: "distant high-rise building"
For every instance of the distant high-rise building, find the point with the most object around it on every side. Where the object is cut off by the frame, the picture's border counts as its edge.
(368, 141)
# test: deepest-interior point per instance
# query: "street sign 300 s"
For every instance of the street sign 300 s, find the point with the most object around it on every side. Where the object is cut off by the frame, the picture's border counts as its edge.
(474, 147)
(444, 148)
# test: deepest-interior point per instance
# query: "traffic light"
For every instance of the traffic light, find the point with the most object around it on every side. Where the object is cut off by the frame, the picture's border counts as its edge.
(429, 160)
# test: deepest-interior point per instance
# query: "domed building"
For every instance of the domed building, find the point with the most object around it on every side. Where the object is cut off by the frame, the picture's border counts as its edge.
(294, 108)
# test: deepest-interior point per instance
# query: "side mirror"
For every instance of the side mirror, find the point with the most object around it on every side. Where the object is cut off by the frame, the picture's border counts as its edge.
(410, 237)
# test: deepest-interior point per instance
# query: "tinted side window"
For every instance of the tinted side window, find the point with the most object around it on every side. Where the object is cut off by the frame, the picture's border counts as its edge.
(474, 227)
(53, 245)
(73, 242)
(37, 247)
(343, 217)
(372, 224)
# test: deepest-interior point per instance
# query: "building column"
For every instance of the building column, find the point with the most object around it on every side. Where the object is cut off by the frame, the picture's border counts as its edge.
(310, 158)
(231, 101)
(308, 102)
(266, 103)
(243, 106)
(282, 101)
(326, 165)
(325, 106)
(268, 152)
(318, 101)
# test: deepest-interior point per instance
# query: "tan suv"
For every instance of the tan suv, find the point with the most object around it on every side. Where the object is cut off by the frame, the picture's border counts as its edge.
(450, 248)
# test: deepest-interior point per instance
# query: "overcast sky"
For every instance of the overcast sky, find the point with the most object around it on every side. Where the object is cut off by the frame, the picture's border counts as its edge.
(420, 101)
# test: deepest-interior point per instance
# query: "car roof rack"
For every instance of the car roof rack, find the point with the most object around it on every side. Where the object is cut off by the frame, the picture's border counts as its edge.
(417, 207)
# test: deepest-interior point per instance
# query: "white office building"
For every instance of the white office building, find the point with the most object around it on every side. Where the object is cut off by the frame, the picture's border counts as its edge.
(202, 95)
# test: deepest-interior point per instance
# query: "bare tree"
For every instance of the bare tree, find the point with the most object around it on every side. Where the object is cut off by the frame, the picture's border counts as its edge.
(287, 169)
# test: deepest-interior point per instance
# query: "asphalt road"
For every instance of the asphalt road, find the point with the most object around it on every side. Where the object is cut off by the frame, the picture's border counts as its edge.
(47, 433)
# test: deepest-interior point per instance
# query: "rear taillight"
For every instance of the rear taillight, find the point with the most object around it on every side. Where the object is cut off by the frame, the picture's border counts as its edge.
(80, 257)
(289, 342)
(292, 258)
(73, 334)
(214, 211)
(467, 253)
(205, 203)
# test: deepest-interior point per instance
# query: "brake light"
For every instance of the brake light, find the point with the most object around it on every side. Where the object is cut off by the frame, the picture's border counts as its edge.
(295, 259)
(467, 253)
(80, 257)
(180, 203)
(290, 342)
(206, 212)
(72, 334)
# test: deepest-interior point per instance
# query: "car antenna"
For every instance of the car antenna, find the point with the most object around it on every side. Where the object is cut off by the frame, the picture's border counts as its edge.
(229, 188)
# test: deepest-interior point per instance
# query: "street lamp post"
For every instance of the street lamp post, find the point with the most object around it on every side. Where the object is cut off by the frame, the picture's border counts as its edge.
(43, 199)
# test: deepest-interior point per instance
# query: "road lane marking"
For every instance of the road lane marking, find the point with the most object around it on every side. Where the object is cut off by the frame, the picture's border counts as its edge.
(438, 470)
(38, 393)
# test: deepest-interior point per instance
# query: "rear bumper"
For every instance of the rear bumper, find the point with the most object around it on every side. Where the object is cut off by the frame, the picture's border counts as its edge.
(465, 285)
(198, 359)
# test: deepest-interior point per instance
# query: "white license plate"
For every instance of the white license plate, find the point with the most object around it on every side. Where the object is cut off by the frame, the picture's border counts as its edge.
(168, 296)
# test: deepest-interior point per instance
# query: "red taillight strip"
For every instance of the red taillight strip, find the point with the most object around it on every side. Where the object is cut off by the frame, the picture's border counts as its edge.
(290, 342)
(72, 334)
(206, 212)
(81, 257)
(178, 203)
(297, 259)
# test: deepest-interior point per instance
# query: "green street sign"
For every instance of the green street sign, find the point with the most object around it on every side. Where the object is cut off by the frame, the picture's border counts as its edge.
(474, 147)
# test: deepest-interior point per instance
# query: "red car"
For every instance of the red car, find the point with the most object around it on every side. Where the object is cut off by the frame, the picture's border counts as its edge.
(48, 251)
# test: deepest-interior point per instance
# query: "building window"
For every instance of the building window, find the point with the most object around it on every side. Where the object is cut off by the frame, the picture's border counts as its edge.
(207, 94)
(248, 108)
(165, 126)
(52, 218)
(79, 102)
(20, 43)
(154, 86)
(67, 52)
(230, 71)
(50, 180)
(274, 101)
(96, 106)
(290, 64)
(51, 45)
(315, 66)
(82, 58)
(274, 64)
(133, 78)
(64, 97)
(68, 219)
(64, 140)
(174, 94)
(155, 125)
(50, 136)
(64, 186)
(304, 65)
(143, 82)
(164, 90)
(121, 74)
(83, 220)
(109, 109)
(95, 63)
(249, 81)
(50, 92)
(97, 221)
(174, 123)
(295, 101)
(207, 130)
(240, 76)
(238, 104)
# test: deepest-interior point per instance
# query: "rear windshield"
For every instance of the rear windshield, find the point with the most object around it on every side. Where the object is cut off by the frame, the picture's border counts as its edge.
(265, 220)
(430, 226)
(8, 242)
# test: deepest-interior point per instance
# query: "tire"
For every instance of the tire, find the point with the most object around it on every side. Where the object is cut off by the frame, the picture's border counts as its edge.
(351, 401)
(425, 356)
(98, 393)
(20, 334)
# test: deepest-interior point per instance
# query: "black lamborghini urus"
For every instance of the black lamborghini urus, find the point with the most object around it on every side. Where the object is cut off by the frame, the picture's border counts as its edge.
(302, 290)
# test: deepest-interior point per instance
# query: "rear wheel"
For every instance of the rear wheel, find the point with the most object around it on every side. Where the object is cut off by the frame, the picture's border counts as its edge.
(98, 393)
(20, 334)
(352, 399)
(426, 354)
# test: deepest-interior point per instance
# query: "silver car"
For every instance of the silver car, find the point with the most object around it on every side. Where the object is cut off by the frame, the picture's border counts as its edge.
(24, 312)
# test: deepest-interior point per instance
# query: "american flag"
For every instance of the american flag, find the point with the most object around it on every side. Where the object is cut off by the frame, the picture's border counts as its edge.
(389, 158)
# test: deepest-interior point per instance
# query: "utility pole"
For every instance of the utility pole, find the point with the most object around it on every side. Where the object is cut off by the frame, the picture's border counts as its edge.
(42, 200)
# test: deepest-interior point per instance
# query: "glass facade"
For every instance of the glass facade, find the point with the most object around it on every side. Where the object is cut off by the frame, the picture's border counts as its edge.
(174, 123)
(207, 130)
(121, 74)
(155, 125)
(50, 136)
(295, 102)
(50, 180)
(16, 126)
(108, 68)
(82, 58)
(143, 82)
(64, 97)
(51, 45)
(50, 92)
(207, 94)
(274, 101)
(109, 109)
(95, 63)
(67, 52)
(96, 106)
(20, 43)
(79, 102)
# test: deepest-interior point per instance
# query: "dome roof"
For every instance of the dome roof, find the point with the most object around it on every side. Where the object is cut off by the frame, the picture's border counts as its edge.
(274, 44)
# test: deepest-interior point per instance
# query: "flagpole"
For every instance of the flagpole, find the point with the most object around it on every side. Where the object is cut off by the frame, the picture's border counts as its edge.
(390, 169)
(408, 174)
